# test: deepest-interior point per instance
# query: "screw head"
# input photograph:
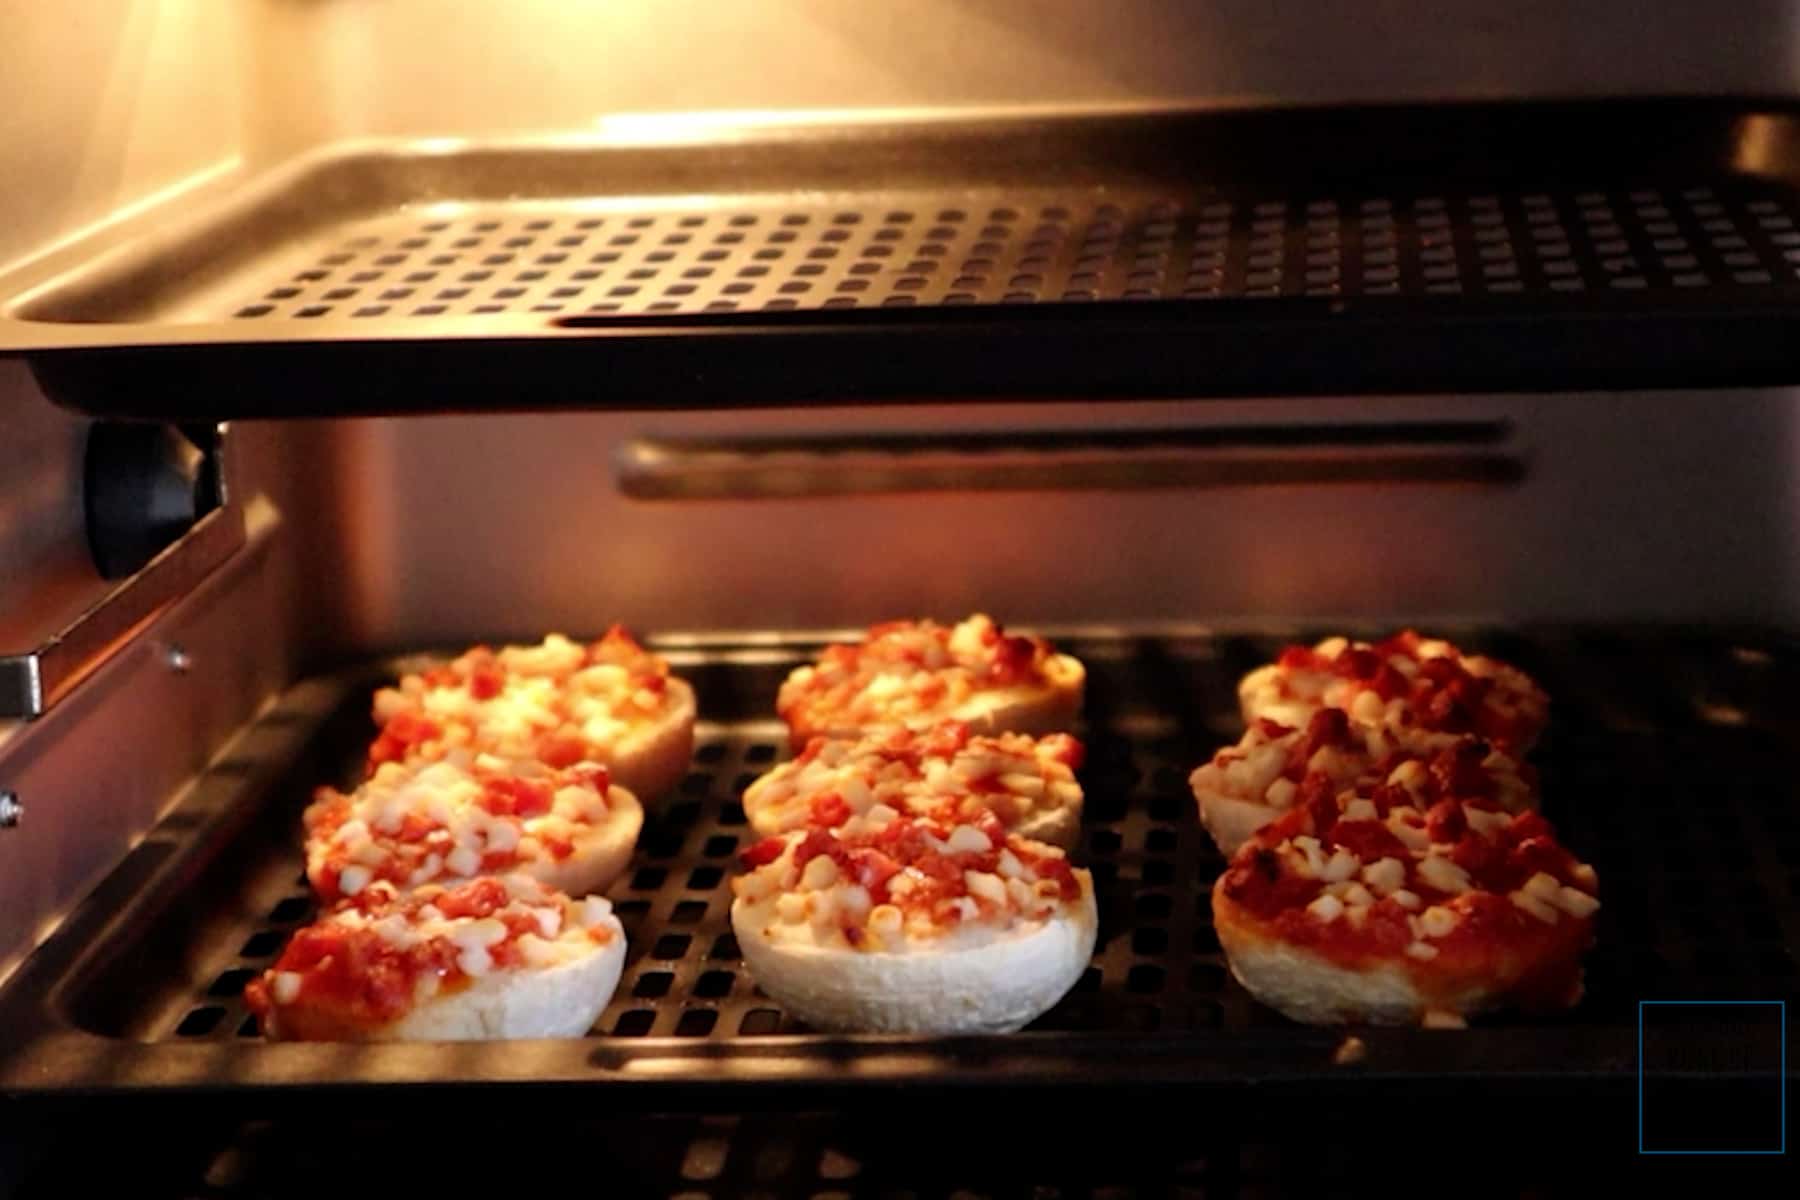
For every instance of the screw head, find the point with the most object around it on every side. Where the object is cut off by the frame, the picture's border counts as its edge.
(178, 659)
(11, 811)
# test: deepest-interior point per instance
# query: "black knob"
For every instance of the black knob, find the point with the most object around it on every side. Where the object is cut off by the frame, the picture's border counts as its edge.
(146, 485)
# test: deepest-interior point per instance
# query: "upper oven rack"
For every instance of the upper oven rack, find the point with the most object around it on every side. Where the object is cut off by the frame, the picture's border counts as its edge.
(1466, 247)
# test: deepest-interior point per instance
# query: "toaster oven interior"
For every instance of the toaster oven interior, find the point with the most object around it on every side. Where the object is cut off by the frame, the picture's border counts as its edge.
(1557, 420)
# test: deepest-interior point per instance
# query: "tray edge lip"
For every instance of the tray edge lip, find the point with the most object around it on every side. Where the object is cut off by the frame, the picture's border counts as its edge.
(39, 277)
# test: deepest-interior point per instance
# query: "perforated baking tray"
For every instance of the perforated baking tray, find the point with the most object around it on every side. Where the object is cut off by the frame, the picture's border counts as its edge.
(1670, 764)
(1465, 247)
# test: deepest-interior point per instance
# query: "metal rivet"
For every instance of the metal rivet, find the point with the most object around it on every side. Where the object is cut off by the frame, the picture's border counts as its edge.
(178, 659)
(11, 811)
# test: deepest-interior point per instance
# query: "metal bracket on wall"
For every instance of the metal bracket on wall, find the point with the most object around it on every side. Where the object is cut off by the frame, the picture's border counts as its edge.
(32, 681)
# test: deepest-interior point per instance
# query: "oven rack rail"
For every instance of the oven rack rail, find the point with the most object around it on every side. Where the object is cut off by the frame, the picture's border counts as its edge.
(1466, 247)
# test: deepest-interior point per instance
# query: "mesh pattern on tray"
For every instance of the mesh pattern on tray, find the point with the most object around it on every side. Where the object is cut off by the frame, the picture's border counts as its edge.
(1017, 248)
(1671, 771)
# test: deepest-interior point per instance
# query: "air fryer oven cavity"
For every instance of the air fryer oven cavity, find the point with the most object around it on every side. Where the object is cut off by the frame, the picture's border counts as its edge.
(1669, 764)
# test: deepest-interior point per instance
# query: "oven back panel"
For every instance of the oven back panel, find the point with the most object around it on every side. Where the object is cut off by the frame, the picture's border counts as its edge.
(1636, 507)
(319, 72)
(105, 109)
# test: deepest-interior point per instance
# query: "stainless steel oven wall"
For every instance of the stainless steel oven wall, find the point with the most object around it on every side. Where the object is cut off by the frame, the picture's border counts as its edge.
(94, 772)
(41, 530)
(104, 104)
(327, 69)
(1663, 507)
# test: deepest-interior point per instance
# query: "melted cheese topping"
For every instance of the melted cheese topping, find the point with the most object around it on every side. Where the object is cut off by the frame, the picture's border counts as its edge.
(559, 702)
(464, 815)
(373, 958)
(1368, 876)
(1407, 685)
(883, 882)
(944, 774)
(911, 674)
(1277, 766)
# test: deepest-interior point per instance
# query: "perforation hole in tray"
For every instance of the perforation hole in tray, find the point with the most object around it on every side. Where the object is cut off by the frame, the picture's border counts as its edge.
(1691, 904)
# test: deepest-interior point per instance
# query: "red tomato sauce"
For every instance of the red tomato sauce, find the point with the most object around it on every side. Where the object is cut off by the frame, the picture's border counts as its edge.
(1443, 696)
(1491, 929)
(874, 859)
(352, 981)
(484, 675)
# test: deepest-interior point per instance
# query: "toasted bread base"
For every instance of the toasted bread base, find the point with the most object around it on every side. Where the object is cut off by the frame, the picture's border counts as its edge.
(549, 1002)
(1232, 821)
(601, 854)
(1314, 991)
(1307, 987)
(996, 988)
(652, 762)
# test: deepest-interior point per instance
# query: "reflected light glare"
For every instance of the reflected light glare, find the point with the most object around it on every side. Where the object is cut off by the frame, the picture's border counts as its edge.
(1759, 149)
(440, 145)
(708, 125)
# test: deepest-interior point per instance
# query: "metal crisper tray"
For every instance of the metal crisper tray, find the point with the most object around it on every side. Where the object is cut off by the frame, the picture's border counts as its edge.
(1459, 247)
(1670, 764)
